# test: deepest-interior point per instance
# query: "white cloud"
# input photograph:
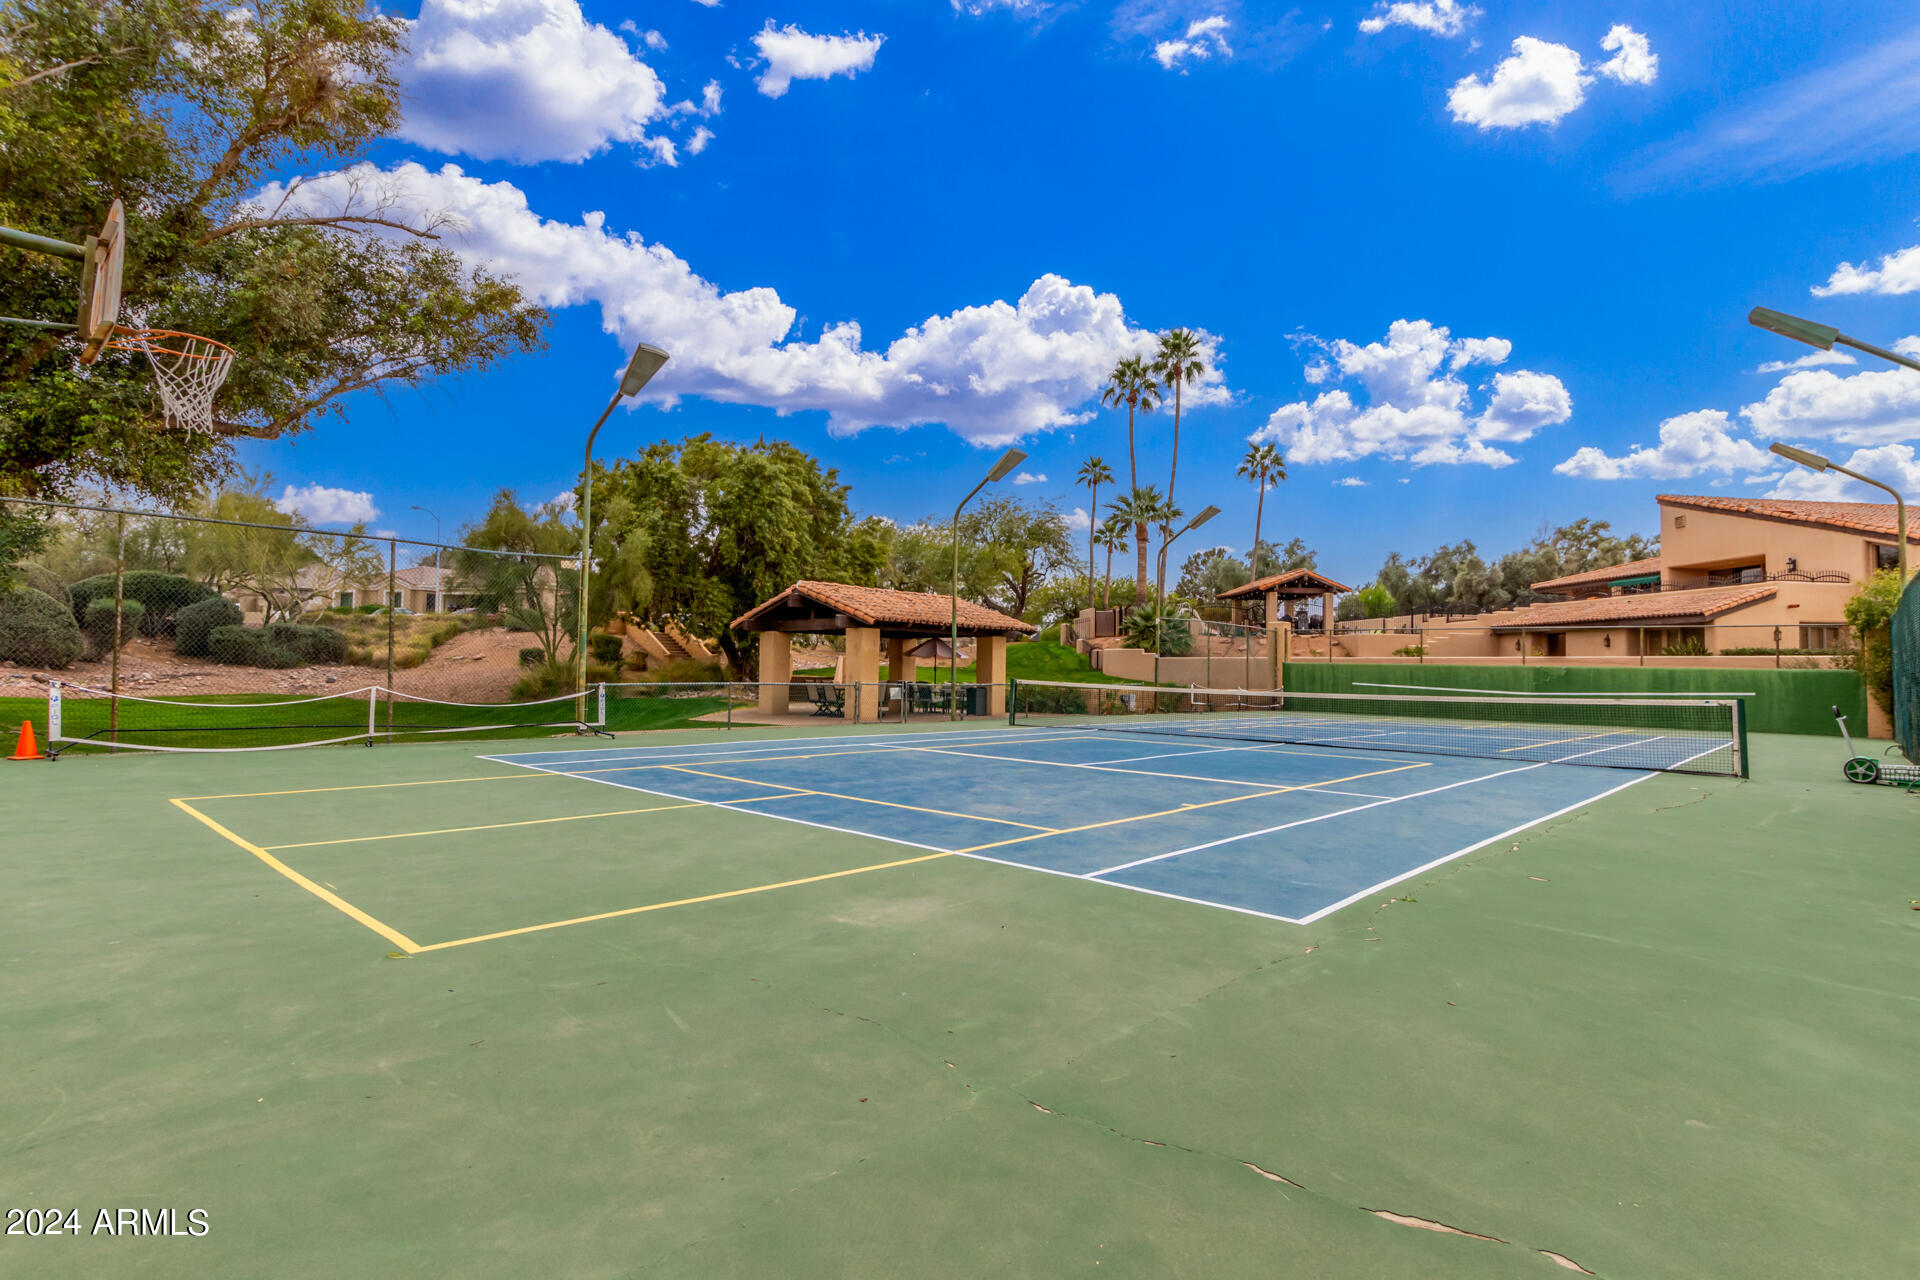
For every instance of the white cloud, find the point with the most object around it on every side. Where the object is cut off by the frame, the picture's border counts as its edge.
(1893, 463)
(1541, 83)
(526, 80)
(698, 142)
(792, 54)
(1416, 408)
(1690, 444)
(1351, 482)
(318, 504)
(652, 39)
(994, 373)
(1812, 360)
(978, 7)
(1028, 477)
(1633, 60)
(1874, 407)
(1205, 37)
(1898, 273)
(1435, 17)
(1079, 521)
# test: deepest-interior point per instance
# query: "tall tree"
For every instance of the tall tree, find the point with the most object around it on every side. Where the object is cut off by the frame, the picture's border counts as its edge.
(1177, 363)
(1112, 534)
(185, 109)
(1264, 466)
(1141, 507)
(1094, 472)
(1132, 383)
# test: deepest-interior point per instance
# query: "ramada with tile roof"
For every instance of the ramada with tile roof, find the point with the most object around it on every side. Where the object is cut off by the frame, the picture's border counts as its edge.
(907, 612)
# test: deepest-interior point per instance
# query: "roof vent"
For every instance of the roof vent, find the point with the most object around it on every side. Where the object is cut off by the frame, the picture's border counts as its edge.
(1679, 522)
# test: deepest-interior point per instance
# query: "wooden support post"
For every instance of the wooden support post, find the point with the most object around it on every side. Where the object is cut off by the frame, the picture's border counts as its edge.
(776, 672)
(863, 669)
(991, 670)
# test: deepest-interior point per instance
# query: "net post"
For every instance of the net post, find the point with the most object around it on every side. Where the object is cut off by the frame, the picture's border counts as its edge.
(601, 722)
(373, 713)
(119, 603)
(1739, 737)
(53, 718)
(1013, 701)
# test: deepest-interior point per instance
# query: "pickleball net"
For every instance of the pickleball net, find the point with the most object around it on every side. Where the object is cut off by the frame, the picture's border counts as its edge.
(83, 717)
(1673, 735)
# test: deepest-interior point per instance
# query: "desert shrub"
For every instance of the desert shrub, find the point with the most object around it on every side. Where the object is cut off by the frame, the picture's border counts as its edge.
(97, 625)
(247, 647)
(36, 630)
(1411, 651)
(310, 644)
(533, 657)
(193, 623)
(1166, 625)
(1690, 647)
(545, 680)
(163, 595)
(604, 648)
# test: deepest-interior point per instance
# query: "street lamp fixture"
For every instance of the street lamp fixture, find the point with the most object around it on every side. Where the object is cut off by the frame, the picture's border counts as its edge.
(647, 361)
(1160, 576)
(1823, 336)
(1008, 461)
(1815, 462)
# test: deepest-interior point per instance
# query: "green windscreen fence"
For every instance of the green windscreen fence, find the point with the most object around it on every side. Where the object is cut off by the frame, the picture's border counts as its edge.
(1906, 671)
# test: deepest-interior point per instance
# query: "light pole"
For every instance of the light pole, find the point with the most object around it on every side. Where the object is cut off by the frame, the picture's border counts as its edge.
(1160, 576)
(1008, 461)
(1819, 335)
(439, 593)
(646, 362)
(1818, 463)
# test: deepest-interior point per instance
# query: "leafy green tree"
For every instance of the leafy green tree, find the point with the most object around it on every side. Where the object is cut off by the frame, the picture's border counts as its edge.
(1870, 613)
(727, 525)
(1140, 508)
(514, 563)
(1264, 465)
(1175, 364)
(1112, 534)
(1296, 554)
(1208, 573)
(1373, 601)
(1094, 472)
(183, 109)
(1022, 546)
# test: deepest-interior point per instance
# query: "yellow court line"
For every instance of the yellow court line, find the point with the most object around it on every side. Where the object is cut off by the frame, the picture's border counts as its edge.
(1585, 737)
(531, 822)
(334, 900)
(681, 902)
(762, 782)
(376, 786)
(1189, 808)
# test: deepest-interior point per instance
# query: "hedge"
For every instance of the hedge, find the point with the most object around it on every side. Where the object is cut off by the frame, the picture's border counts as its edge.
(311, 644)
(163, 595)
(192, 625)
(246, 647)
(97, 624)
(36, 630)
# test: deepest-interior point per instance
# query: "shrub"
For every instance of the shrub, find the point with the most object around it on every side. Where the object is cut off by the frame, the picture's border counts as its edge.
(36, 630)
(533, 657)
(309, 644)
(1411, 651)
(1871, 613)
(604, 648)
(163, 595)
(97, 625)
(365, 608)
(546, 680)
(1169, 626)
(246, 647)
(1691, 647)
(193, 623)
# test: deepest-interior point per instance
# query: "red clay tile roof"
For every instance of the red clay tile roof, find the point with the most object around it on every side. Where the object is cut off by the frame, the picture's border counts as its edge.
(1651, 606)
(1297, 578)
(1851, 517)
(876, 606)
(1600, 577)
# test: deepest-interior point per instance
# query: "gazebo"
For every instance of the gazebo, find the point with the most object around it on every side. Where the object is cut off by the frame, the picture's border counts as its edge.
(1294, 584)
(867, 617)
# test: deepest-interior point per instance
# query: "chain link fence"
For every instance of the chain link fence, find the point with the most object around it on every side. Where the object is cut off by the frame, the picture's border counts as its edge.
(1906, 671)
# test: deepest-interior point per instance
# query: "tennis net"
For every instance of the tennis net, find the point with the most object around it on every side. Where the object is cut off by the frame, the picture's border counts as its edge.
(1678, 735)
(83, 717)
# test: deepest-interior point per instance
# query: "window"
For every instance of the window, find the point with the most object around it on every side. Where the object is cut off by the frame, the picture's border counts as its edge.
(431, 604)
(1824, 635)
(395, 601)
(346, 600)
(1885, 556)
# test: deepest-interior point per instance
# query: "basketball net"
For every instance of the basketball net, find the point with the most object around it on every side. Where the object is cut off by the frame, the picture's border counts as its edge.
(188, 368)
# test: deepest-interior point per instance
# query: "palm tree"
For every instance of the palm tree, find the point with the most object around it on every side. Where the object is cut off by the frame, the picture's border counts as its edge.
(1112, 534)
(1139, 509)
(1094, 472)
(1177, 362)
(1131, 383)
(1264, 466)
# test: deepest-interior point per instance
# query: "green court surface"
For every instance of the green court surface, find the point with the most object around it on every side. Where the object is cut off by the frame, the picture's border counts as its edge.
(1668, 1032)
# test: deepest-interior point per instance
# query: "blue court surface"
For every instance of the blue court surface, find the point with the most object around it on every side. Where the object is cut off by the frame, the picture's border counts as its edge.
(1283, 831)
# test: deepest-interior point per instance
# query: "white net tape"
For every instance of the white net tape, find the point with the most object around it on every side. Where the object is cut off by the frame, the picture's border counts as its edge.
(190, 371)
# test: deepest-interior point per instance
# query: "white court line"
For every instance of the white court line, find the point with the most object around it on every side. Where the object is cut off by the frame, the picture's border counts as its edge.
(720, 751)
(1301, 822)
(1352, 898)
(730, 806)
(1107, 768)
(1116, 884)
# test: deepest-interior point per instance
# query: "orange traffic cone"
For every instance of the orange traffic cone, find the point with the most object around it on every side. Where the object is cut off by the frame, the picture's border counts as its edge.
(27, 749)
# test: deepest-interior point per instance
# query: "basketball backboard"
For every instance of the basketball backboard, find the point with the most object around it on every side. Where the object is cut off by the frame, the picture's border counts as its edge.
(100, 275)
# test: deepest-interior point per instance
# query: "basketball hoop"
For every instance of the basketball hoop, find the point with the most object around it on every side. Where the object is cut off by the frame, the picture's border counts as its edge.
(190, 370)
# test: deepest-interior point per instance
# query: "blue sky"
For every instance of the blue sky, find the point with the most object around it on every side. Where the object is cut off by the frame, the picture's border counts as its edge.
(1473, 267)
